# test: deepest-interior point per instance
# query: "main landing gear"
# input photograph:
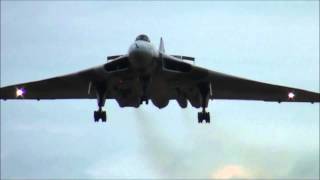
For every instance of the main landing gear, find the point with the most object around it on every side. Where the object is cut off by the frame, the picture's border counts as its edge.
(205, 91)
(203, 116)
(100, 114)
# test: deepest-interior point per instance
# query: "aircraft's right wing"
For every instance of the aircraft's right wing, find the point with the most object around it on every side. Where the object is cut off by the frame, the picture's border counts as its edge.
(77, 85)
(71, 86)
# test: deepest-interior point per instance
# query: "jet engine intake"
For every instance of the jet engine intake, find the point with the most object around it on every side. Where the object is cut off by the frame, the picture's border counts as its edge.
(175, 65)
(117, 65)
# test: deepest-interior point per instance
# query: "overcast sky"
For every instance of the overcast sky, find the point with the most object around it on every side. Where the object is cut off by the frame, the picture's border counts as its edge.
(274, 42)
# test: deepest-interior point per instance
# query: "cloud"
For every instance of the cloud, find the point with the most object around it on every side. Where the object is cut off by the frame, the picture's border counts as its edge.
(120, 166)
(230, 172)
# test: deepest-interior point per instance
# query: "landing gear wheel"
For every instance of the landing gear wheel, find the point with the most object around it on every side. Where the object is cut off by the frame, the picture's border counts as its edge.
(96, 116)
(207, 117)
(100, 115)
(200, 117)
(144, 99)
(104, 116)
(203, 116)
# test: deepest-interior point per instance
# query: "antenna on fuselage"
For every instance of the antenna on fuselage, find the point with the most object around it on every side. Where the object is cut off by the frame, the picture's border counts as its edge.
(161, 46)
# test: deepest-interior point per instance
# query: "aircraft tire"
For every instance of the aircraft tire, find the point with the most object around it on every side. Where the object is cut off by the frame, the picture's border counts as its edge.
(104, 116)
(207, 117)
(96, 116)
(200, 117)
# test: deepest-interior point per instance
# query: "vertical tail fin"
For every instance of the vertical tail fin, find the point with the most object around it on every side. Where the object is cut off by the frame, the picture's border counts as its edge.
(161, 46)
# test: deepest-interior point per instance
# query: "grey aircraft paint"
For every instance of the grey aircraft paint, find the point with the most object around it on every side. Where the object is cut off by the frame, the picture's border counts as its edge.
(146, 73)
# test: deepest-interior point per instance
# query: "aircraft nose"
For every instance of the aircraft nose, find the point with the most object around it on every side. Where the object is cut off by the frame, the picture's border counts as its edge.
(139, 55)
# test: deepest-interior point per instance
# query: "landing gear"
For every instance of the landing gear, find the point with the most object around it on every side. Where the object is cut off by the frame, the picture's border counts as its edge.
(203, 116)
(145, 80)
(100, 114)
(144, 99)
(205, 91)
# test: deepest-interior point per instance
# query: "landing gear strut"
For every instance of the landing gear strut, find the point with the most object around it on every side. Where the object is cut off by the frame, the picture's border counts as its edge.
(145, 80)
(205, 91)
(100, 114)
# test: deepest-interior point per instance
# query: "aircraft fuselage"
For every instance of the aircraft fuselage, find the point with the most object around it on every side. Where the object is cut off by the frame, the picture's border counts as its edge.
(141, 54)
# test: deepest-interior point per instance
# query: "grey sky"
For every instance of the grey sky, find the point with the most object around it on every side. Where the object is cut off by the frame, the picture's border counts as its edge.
(275, 42)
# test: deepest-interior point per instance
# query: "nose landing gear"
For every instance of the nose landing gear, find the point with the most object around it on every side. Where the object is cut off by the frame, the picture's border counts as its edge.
(145, 81)
(144, 99)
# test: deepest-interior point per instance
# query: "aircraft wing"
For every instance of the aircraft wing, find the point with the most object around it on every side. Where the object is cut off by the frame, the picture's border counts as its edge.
(228, 87)
(79, 85)
(69, 86)
(231, 87)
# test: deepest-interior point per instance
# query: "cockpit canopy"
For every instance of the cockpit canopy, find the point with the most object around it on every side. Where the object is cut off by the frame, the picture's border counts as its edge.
(143, 37)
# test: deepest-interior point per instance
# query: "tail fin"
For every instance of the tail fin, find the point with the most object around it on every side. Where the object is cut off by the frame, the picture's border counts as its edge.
(161, 46)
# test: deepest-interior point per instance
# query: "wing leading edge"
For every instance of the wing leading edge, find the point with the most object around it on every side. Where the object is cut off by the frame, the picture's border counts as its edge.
(79, 85)
(231, 87)
(71, 86)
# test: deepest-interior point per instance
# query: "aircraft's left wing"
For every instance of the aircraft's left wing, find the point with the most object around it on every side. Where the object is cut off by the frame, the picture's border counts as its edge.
(71, 86)
(232, 87)
(223, 86)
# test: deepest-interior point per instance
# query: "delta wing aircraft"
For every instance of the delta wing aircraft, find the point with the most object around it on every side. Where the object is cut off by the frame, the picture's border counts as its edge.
(144, 74)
